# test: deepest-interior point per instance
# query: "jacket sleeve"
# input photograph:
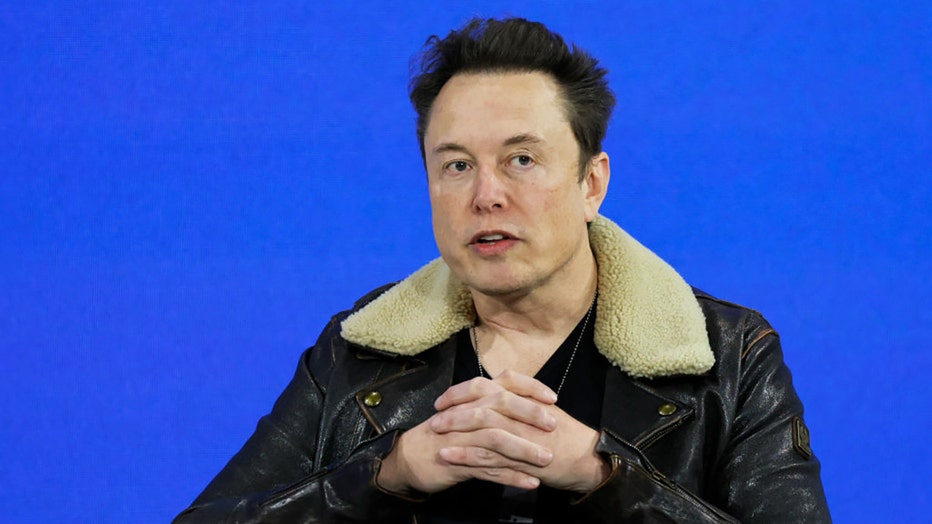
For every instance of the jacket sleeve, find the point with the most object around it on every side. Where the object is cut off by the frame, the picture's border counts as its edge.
(273, 478)
(768, 472)
(765, 473)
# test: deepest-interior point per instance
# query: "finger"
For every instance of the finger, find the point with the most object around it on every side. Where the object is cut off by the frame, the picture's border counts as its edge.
(467, 391)
(485, 458)
(526, 386)
(478, 387)
(500, 474)
(504, 476)
(501, 410)
(500, 443)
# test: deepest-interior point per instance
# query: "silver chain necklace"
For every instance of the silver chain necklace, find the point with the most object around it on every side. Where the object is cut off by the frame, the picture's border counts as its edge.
(483, 373)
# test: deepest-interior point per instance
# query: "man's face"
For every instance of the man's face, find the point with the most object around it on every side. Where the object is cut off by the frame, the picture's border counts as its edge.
(509, 212)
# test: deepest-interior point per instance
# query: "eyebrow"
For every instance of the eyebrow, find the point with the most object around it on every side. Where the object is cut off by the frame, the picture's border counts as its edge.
(448, 147)
(523, 138)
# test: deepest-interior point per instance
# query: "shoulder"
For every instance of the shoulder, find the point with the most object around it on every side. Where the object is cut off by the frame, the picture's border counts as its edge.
(330, 348)
(723, 315)
(738, 335)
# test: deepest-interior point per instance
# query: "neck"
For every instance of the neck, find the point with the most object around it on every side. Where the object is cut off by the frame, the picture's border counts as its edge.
(549, 310)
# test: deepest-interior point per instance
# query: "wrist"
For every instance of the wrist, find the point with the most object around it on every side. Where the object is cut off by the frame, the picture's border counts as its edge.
(596, 470)
(596, 467)
(390, 477)
(394, 475)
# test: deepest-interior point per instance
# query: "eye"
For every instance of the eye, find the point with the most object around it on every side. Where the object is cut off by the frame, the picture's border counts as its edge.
(522, 161)
(457, 166)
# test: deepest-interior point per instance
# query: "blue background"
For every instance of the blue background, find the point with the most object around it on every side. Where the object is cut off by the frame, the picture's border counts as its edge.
(189, 190)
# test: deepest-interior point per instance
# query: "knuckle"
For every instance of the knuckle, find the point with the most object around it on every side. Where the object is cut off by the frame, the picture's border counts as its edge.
(540, 412)
(476, 385)
(498, 437)
(501, 399)
(484, 454)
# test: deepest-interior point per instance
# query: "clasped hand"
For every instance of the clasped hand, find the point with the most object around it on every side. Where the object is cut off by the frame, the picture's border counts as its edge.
(507, 430)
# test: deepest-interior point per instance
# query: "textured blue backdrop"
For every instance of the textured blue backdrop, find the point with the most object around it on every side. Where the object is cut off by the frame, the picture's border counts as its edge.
(188, 190)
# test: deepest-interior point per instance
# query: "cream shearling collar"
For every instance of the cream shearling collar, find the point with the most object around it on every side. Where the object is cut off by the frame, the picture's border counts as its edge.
(648, 322)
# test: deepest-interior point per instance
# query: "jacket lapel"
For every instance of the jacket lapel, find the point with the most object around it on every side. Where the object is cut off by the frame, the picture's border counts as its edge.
(406, 398)
(637, 414)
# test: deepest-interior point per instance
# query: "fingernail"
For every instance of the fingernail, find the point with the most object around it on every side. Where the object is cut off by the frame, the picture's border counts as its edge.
(551, 421)
(544, 457)
(551, 396)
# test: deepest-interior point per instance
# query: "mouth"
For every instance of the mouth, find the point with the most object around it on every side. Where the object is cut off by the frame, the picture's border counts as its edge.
(490, 237)
(492, 243)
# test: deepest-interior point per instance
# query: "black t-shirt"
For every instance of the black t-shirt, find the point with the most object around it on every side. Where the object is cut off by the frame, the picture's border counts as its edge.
(478, 501)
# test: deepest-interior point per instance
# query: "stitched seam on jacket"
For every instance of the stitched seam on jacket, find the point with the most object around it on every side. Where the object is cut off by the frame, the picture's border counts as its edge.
(671, 486)
(662, 431)
(761, 336)
(294, 487)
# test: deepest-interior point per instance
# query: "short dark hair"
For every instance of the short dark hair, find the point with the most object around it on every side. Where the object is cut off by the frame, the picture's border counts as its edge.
(517, 45)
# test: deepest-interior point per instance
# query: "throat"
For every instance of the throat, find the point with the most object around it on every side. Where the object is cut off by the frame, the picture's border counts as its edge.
(530, 355)
(526, 357)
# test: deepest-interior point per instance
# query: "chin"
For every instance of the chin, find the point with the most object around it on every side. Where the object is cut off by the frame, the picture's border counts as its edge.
(500, 281)
(497, 287)
(498, 292)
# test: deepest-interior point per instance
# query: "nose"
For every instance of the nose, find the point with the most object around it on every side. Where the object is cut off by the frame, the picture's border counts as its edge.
(490, 190)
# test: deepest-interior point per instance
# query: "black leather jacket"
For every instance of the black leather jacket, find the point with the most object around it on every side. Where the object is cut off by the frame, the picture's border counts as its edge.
(726, 444)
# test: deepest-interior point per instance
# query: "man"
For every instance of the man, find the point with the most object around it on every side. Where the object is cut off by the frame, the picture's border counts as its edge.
(548, 368)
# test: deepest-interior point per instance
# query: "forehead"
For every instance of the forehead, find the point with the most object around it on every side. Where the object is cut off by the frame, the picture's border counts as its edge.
(486, 105)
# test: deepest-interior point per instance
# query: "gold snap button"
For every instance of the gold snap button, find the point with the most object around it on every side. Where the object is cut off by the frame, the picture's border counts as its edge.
(666, 410)
(372, 399)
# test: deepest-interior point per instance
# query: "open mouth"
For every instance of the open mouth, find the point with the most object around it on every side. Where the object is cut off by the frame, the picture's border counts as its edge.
(492, 243)
(491, 239)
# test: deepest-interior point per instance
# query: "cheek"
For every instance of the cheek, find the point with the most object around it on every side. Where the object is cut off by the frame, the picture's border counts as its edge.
(561, 200)
(441, 194)
(436, 198)
(442, 216)
(441, 231)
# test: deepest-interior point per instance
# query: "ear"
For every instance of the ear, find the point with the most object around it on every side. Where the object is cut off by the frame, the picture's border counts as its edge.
(595, 184)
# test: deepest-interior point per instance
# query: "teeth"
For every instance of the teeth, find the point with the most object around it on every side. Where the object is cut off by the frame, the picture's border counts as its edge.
(492, 238)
